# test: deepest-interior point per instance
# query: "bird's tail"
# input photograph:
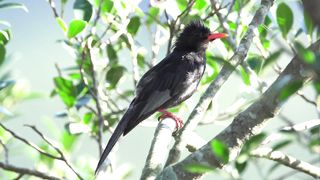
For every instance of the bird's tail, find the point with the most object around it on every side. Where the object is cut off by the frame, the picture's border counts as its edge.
(115, 137)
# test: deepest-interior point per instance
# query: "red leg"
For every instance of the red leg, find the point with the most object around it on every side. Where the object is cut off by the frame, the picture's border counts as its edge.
(167, 114)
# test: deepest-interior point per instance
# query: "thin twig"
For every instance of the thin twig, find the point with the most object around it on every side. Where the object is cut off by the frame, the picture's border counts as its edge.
(62, 156)
(6, 152)
(172, 26)
(30, 172)
(96, 98)
(307, 99)
(230, 39)
(287, 160)
(96, 19)
(53, 8)
(41, 151)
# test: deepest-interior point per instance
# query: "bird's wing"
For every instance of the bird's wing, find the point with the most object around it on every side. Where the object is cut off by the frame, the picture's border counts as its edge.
(158, 86)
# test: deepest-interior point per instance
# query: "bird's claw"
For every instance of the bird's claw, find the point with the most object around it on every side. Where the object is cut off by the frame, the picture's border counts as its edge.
(166, 114)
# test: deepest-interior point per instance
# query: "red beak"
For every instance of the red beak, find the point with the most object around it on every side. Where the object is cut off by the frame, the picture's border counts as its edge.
(214, 36)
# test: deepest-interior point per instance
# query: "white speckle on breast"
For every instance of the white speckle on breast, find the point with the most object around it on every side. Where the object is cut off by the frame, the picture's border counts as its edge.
(191, 88)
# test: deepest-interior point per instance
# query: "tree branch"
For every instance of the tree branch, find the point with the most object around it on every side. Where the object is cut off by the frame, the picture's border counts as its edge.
(213, 88)
(27, 171)
(160, 144)
(287, 160)
(247, 124)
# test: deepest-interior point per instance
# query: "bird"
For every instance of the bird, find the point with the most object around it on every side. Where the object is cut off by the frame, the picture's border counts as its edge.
(169, 83)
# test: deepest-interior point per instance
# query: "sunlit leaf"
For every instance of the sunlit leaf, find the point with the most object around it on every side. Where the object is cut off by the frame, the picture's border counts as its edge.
(68, 140)
(153, 14)
(305, 54)
(5, 36)
(182, 4)
(134, 25)
(200, 4)
(220, 150)
(87, 117)
(75, 27)
(107, 5)
(289, 89)
(82, 10)
(198, 168)
(62, 24)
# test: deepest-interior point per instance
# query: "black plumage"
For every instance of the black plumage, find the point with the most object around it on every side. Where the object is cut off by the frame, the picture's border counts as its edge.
(170, 82)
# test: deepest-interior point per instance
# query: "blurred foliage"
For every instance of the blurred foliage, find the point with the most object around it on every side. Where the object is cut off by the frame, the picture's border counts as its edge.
(109, 41)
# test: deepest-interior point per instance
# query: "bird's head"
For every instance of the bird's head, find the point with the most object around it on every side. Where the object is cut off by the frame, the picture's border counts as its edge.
(195, 37)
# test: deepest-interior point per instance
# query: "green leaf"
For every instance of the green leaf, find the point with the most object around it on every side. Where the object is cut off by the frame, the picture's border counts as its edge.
(272, 58)
(182, 4)
(241, 166)
(255, 63)
(134, 25)
(2, 53)
(5, 36)
(114, 74)
(112, 54)
(284, 18)
(281, 144)
(198, 168)
(308, 23)
(289, 89)
(107, 6)
(153, 14)
(82, 10)
(66, 91)
(220, 150)
(68, 140)
(253, 143)
(200, 4)
(62, 24)
(141, 60)
(13, 6)
(305, 54)
(45, 159)
(88, 117)
(316, 85)
(75, 27)
(244, 75)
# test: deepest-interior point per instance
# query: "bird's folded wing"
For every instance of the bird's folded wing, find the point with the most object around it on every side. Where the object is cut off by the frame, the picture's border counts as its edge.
(156, 88)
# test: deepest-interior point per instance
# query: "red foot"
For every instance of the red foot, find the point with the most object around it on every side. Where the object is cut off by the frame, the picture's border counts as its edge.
(167, 114)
